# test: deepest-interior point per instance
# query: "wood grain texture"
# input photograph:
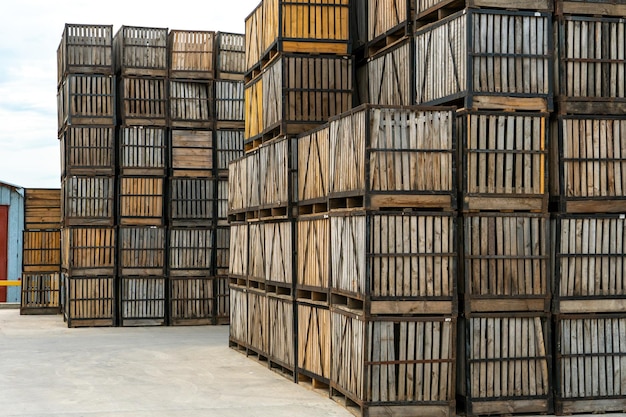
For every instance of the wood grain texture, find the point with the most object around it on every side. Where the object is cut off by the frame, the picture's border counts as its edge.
(191, 54)
(88, 150)
(142, 299)
(192, 300)
(141, 51)
(85, 49)
(142, 251)
(41, 250)
(88, 250)
(89, 301)
(42, 208)
(86, 100)
(87, 200)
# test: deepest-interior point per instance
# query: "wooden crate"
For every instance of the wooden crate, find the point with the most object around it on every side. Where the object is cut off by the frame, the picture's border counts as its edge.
(143, 151)
(515, 73)
(88, 251)
(141, 201)
(276, 172)
(87, 150)
(192, 301)
(282, 334)
(142, 301)
(257, 255)
(378, 157)
(590, 361)
(595, 7)
(222, 300)
(313, 257)
(508, 364)
(387, 21)
(591, 64)
(141, 252)
(432, 10)
(191, 104)
(258, 323)
(238, 253)
(41, 250)
(231, 56)
(89, 301)
(394, 262)
(228, 147)
(87, 201)
(590, 263)
(243, 185)
(507, 262)
(222, 247)
(313, 345)
(191, 153)
(386, 77)
(229, 100)
(143, 101)
(191, 252)
(141, 51)
(504, 160)
(277, 254)
(191, 201)
(221, 214)
(42, 208)
(85, 49)
(296, 93)
(41, 293)
(84, 99)
(313, 168)
(191, 54)
(394, 366)
(281, 26)
(238, 329)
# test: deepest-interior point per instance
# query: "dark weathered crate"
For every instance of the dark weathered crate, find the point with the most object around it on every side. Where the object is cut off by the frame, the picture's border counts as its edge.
(395, 366)
(86, 100)
(42, 208)
(143, 150)
(88, 150)
(432, 10)
(141, 251)
(88, 251)
(41, 250)
(508, 364)
(228, 147)
(222, 247)
(457, 59)
(142, 301)
(143, 101)
(393, 157)
(191, 201)
(507, 262)
(394, 262)
(141, 201)
(192, 301)
(191, 252)
(191, 54)
(88, 201)
(590, 263)
(231, 56)
(141, 51)
(238, 252)
(243, 184)
(89, 301)
(229, 104)
(191, 104)
(296, 93)
(191, 153)
(85, 49)
(590, 360)
(591, 64)
(313, 345)
(41, 293)
(282, 334)
(591, 7)
(504, 163)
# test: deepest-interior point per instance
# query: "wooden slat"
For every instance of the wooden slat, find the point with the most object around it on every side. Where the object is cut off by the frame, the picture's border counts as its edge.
(191, 54)
(85, 49)
(143, 151)
(192, 300)
(192, 153)
(141, 51)
(42, 208)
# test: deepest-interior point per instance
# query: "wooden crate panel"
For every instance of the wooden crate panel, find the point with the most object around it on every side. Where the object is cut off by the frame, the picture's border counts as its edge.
(190, 251)
(222, 247)
(586, 7)
(89, 301)
(192, 300)
(511, 58)
(229, 101)
(508, 365)
(85, 49)
(590, 263)
(228, 147)
(88, 150)
(41, 250)
(314, 350)
(504, 161)
(222, 202)
(257, 252)
(281, 332)
(253, 108)
(86, 100)
(192, 153)
(141, 51)
(254, 37)
(590, 361)
(396, 361)
(141, 201)
(192, 54)
(385, 17)
(41, 293)
(87, 200)
(191, 201)
(143, 151)
(278, 255)
(42, 208)
(313, 252)
(313, 165)
(222, 300)
(142, 251)
(238, 329)
(88, 250)
(191, 104)
(506, 262)
(258, 326)
(143, 101)
(142, 301)
(243, 185)
(231, 55)
(238, 250)
(275, 163)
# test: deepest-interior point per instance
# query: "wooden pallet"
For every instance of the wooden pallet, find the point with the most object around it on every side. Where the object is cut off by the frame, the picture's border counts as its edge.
(594, 8)
(428, 11)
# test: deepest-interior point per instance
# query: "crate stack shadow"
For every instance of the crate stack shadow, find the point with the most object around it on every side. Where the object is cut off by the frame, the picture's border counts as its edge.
(589, 202)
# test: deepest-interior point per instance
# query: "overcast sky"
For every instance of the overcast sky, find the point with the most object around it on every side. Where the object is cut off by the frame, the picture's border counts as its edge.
(30, 32)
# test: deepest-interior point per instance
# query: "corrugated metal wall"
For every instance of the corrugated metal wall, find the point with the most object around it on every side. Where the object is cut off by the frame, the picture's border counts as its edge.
(14, 198)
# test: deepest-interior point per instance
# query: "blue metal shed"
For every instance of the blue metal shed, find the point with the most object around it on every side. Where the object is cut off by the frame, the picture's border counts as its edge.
(11, 228)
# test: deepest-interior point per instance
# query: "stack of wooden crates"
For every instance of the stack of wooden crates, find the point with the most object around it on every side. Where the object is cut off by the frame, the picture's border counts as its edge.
(589, 190)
